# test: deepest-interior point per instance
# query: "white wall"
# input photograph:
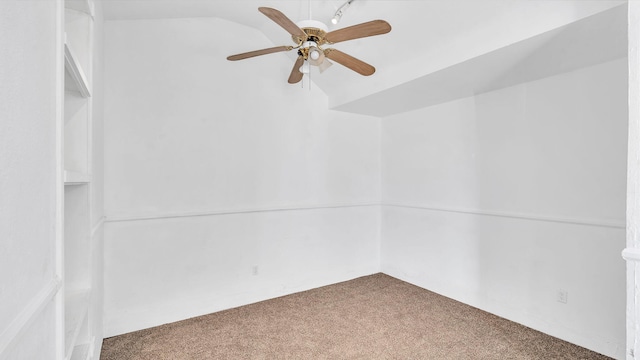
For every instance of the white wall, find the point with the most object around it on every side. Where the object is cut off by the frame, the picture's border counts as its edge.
(500, 200)
(29, 64)
(505, 198)
(162, 270)
(213, 167)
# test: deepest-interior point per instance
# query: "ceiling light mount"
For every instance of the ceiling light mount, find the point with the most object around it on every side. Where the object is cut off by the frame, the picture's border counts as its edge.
(338, 15)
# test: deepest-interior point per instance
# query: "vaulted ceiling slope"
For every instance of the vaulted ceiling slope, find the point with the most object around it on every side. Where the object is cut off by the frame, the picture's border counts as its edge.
(427, 37)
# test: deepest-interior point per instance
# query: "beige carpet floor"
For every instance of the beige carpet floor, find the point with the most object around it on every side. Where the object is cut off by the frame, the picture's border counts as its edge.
(373, 317)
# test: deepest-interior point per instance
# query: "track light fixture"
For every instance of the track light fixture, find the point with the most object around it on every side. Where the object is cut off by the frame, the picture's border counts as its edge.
(338, 15)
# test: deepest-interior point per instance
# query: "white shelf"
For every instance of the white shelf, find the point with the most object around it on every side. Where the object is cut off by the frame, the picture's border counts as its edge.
(80, 352)
(76, 311)
(80, 5)
(76, 178)
(75, 78)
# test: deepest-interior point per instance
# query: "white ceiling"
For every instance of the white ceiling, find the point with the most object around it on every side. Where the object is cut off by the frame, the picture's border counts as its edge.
(426, 36)
(590, 41)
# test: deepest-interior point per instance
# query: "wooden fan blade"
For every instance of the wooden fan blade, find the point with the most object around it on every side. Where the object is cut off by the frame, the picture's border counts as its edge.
(280, 19)
(371, 28)
(349, 61)
(258, 53)
(296, 75)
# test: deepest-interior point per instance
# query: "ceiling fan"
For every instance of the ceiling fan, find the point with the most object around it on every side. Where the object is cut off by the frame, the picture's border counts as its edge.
(309, 37)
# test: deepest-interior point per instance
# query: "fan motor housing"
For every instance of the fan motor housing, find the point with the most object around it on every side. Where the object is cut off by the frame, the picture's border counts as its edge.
(315, 30)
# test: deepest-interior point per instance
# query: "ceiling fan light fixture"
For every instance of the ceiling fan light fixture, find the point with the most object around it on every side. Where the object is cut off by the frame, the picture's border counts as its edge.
(324, 65)
(314, 54)
(304, 68)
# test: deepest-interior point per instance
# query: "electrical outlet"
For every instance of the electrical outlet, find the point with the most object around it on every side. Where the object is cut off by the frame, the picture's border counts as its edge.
(254, 270)
(562, 296)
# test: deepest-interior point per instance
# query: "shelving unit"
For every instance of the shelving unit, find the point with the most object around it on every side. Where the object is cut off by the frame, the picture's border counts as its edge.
(77, 179)
(83, 6)
(76, 316)
(81, 353)
(75, 78)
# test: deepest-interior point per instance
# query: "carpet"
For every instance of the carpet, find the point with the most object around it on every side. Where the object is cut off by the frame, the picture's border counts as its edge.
(372, 317)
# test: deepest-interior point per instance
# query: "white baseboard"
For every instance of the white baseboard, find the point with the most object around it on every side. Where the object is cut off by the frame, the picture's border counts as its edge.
(609, 347)
(148, 317)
